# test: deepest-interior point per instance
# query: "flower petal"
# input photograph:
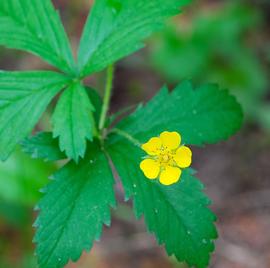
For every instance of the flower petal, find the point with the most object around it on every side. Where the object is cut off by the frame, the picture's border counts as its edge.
(153, 146)
(150, 168)
(183, 157)
(170, 175)
(171, 140)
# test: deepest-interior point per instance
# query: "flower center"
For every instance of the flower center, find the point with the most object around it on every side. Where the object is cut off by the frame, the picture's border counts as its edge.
(165, 158)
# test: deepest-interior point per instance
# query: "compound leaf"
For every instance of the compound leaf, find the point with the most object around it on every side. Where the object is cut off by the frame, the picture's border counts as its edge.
(43, 146)
(23, 98)
(73, 121)
(202, 115)
(178, 215)
(74, 209)
(116, 28)
(35, 26)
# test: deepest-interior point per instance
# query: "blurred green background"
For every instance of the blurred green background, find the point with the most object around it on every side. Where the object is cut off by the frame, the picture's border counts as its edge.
(223, 42)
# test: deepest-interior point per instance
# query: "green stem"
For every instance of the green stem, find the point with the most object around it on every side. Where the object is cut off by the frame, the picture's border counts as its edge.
(126, 136)
(107, 97)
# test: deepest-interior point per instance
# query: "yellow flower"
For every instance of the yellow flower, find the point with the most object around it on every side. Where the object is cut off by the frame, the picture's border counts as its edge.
(166, 158)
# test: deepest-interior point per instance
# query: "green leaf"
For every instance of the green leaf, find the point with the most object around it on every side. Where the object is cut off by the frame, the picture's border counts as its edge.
(23, 98)
(96, 101)
(178, 215)
(116, 28)
(202, 115)
(35, 26)
(74, 209)
(73, 121)
(43, 146)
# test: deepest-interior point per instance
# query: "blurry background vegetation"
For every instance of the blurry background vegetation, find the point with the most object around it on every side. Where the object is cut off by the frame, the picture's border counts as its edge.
(223, 42)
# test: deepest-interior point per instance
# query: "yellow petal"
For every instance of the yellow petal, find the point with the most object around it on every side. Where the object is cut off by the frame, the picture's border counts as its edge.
(170, 175)
(152, 147)
(171, 140)
(150, 168)
(183, 157)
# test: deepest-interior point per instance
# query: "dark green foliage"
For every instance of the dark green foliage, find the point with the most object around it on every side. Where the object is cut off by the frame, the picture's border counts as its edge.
(43, 146)
(120, 30)
(202, 115)
(190, 237)
(177, 215)
(34, 26)
(73, 122)
(23, 98)
(77, 202)
(75, 206)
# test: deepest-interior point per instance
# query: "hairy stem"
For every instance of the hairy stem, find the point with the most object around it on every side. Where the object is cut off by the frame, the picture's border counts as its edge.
(126, 136)
(107, 97)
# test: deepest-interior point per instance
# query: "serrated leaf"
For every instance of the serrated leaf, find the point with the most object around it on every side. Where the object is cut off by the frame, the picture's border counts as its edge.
(178, 215)
(35, 26)
(116, 28)
(23, 98)
(73, 121)
(74, 209)
(204, 115)
(43, 146)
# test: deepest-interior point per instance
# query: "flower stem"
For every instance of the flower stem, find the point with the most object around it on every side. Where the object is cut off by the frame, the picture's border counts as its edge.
(107, 97)
(126, 136)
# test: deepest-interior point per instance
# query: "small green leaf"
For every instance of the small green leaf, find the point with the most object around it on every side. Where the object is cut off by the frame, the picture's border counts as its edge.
(23, 98)
(96, 101)
(202, 115)
(35, 26)
(43, 146)
(73, 121)
(178, 215)
(116, 28)
(74, 209)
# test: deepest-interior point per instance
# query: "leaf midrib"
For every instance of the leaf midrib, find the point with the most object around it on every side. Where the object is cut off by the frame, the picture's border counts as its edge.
(50, 51)
(114, 30)
(30, 93)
